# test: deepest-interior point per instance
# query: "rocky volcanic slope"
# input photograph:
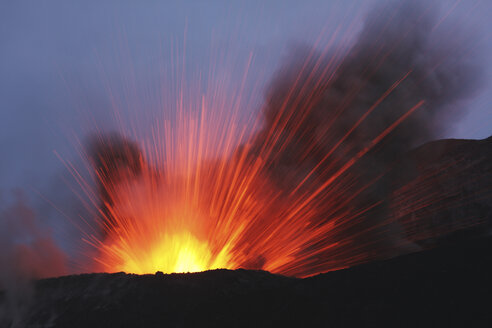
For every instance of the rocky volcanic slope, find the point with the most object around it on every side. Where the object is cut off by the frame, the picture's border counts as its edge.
(442, 191)
(442, 287)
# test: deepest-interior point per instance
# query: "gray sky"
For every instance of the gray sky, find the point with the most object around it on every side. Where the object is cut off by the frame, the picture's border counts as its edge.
(57, 59)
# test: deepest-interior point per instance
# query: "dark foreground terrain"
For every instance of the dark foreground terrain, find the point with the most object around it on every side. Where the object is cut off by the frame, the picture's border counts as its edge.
(443, 287)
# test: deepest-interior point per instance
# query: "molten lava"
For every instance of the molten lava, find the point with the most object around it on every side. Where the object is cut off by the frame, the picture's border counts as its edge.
(171, 253)
(299, 190)
(171, 218)
(197, 212)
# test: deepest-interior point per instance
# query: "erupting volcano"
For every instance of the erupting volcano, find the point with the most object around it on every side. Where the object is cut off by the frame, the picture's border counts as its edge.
(300, 190)
(224, 177)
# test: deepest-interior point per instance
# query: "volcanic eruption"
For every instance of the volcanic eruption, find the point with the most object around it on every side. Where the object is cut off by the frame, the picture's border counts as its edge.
(262, 180)
(303, 189)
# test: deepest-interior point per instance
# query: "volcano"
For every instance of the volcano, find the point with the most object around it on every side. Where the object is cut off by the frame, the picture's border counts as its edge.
(444, 186)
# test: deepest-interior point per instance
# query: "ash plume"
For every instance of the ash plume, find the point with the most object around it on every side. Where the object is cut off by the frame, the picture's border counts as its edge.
(113, 157)
(328, 110)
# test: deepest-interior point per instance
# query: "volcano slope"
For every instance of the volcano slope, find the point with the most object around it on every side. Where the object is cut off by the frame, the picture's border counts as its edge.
(446, 284)
(443, 287)
(441, 192)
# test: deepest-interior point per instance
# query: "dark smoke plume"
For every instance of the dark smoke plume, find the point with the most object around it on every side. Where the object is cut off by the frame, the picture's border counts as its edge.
(113, 157)
(327, 104)
(316, 101)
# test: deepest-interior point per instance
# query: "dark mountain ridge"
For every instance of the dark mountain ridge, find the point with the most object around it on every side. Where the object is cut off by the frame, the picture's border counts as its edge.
(443, 287)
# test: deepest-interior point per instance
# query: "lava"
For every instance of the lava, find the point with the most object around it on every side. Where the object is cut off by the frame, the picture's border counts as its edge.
(298, 191)
(193, 214)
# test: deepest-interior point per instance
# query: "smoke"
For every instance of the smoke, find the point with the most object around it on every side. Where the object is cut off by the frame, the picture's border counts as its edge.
(321, 100)
(352, 114)
(27, 251)
(113, 158)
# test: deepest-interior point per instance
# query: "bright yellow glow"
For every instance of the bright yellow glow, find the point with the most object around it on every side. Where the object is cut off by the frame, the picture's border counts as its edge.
(176, 253)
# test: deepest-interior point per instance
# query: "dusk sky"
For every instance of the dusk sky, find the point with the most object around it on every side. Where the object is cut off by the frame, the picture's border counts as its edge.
(59, 59)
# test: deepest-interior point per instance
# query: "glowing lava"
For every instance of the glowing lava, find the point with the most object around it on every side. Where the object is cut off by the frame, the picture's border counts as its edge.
(294, 191)
(171, 253)
(169, 218)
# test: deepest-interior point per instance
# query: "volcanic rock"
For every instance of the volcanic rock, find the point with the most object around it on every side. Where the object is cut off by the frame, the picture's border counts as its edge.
(443, 287)
(442, 191)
